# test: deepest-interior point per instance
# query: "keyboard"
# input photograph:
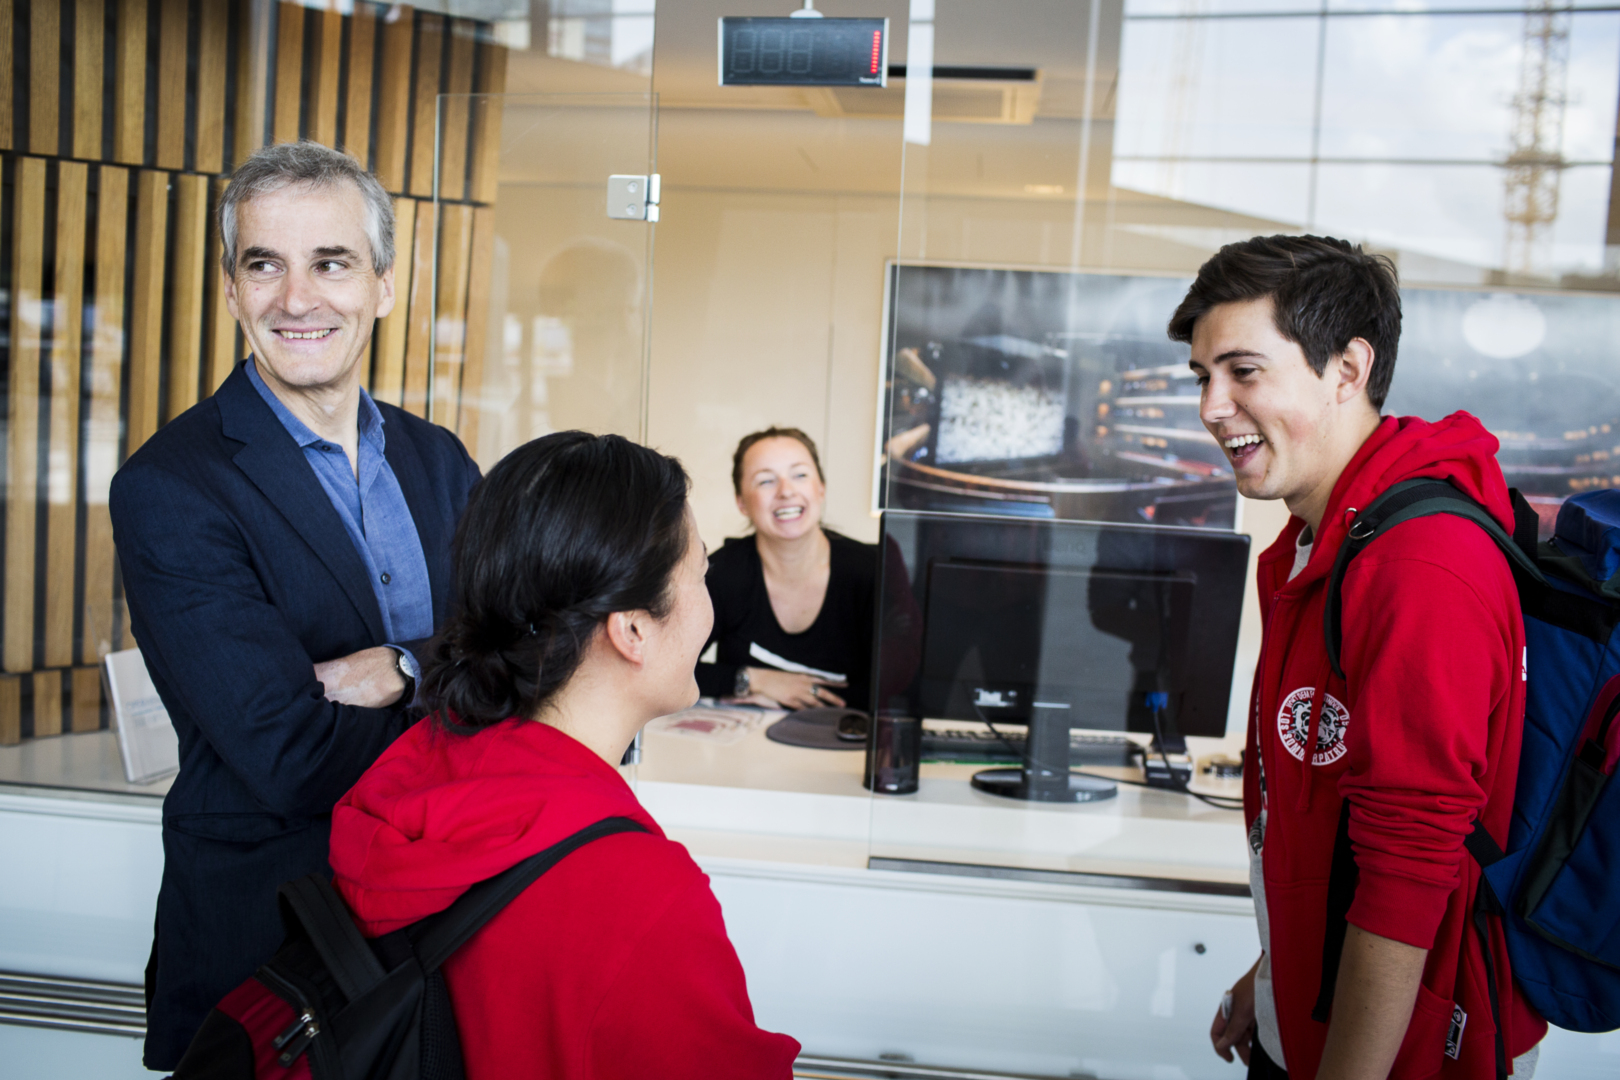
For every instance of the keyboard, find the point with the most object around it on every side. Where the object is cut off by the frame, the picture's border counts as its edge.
(971, 746)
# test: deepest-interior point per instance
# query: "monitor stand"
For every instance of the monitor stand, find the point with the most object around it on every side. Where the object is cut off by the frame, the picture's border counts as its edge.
(1045, 775)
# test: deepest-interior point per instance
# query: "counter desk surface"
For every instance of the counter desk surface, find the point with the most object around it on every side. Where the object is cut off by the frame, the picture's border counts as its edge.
(948, 928)
(758, 799)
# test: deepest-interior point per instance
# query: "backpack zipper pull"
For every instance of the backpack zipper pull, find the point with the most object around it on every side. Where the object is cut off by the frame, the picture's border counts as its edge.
(296, 1038)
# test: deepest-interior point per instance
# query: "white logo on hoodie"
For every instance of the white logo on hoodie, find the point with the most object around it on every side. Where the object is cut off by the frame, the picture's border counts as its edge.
(1294, 726)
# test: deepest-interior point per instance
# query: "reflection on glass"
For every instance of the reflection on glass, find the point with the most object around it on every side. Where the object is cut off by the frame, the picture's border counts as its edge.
(611, 33)
(1474, 146)
(1541, 370)
(557, 316)
(1045, 394)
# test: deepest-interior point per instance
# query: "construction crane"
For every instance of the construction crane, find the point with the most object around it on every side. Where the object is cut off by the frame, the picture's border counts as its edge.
(1535, 161)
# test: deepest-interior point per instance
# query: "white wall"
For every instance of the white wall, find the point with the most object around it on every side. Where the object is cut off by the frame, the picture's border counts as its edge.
(767, 311)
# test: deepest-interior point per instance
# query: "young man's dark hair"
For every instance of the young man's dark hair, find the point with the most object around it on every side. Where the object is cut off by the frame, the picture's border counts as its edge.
(1324, 293)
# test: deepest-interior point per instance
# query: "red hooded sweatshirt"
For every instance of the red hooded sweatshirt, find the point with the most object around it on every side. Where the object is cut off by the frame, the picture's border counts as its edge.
(614, 964)
(1422, 738)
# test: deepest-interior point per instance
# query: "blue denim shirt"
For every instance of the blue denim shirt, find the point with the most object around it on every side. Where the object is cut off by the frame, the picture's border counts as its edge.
(375, 515)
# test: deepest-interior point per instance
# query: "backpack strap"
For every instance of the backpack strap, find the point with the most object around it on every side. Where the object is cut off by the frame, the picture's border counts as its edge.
(437, 936)
(1403, 502)
(314, 905)
(1414, 499)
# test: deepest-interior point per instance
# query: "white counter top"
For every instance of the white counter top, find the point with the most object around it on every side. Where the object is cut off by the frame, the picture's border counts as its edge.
(74, 767)
(760, 799)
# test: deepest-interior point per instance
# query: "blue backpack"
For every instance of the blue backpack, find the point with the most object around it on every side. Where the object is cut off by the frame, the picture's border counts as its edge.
(1557, 885)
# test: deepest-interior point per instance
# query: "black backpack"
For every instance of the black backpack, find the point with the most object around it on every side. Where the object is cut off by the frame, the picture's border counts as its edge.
(335, 1005)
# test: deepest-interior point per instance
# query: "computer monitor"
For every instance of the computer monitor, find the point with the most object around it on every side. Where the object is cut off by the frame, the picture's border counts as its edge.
(1056, 625)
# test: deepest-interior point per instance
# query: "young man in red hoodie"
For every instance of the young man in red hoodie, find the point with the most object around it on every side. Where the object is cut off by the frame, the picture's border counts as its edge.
(1293, 342)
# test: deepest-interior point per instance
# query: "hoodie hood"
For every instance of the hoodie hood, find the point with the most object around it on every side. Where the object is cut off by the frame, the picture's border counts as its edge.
(439, 812)
(1457, 448)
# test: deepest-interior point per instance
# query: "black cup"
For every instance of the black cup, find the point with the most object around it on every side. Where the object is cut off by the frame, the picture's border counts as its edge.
(892, 754)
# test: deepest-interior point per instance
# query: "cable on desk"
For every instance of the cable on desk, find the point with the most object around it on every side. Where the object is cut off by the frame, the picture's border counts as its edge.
(1156, 702)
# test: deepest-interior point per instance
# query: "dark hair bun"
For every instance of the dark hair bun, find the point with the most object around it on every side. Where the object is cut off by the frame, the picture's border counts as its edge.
(563, 532)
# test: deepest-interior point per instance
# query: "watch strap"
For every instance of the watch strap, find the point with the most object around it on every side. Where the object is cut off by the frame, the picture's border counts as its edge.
(404, 661)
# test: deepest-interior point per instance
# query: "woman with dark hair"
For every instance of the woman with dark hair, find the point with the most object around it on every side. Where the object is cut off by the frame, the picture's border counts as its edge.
(793, 603)
(580, 611)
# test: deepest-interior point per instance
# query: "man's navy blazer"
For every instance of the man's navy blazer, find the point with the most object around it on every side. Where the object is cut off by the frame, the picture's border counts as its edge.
(240, 577)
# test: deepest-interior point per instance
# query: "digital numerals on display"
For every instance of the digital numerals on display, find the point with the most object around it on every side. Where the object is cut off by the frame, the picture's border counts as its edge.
(804, 52)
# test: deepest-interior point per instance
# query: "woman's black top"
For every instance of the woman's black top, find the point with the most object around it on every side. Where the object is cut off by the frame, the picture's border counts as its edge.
(839, 642)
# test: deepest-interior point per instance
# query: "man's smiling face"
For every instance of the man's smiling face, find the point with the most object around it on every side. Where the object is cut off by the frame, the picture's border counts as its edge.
(1270, 412)
(304, 289)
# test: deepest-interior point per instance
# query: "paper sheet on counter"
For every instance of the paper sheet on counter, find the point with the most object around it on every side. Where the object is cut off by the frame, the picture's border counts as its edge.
(146, 738)
(719, 724)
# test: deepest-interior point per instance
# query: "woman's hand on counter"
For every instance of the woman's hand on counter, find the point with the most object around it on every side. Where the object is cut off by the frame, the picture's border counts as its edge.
(790, 690)
(1233, 1028)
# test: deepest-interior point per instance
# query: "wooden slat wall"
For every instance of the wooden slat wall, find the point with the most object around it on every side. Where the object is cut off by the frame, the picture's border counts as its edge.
(62, 469)
(425, 92)
(453, 135)
(7, 73)
(213, 33)
(129, 84)
(356, 134)
(289, 64)
(10, 710)
(325, 64)
(171, 81)
(450, 323)
(27, 317)
(86, 699)
(485, 151)
(419, 317)
(477, 335)
(118, 315)
(47, 702)
(224, 339)
(393, 106)
(44, 63)
(144, 358)
(388, 348)
(102, 449)
(186, 304)
(89, 29)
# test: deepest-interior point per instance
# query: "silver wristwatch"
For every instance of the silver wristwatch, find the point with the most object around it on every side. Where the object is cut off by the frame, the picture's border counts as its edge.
(741, 687)
(405, 673)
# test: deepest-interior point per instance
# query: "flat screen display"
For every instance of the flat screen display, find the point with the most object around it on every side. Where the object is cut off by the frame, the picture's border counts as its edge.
(1063, 622)
(803, 52)
(1010, 640)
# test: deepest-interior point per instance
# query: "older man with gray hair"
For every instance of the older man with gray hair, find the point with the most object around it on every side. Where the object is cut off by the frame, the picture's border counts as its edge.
(285, 555)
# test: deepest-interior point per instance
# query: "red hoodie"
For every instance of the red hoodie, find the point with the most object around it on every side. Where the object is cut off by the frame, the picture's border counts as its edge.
(1422, 739)
(614, 964)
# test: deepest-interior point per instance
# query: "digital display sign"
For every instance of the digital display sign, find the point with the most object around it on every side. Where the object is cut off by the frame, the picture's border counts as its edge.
(803, 52)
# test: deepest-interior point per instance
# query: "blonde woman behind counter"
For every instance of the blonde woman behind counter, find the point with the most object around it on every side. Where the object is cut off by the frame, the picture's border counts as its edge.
(793, 603)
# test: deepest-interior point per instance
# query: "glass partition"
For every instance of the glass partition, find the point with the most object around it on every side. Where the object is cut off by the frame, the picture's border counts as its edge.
(550, 330)
(1472, 145)
(1057, 524)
